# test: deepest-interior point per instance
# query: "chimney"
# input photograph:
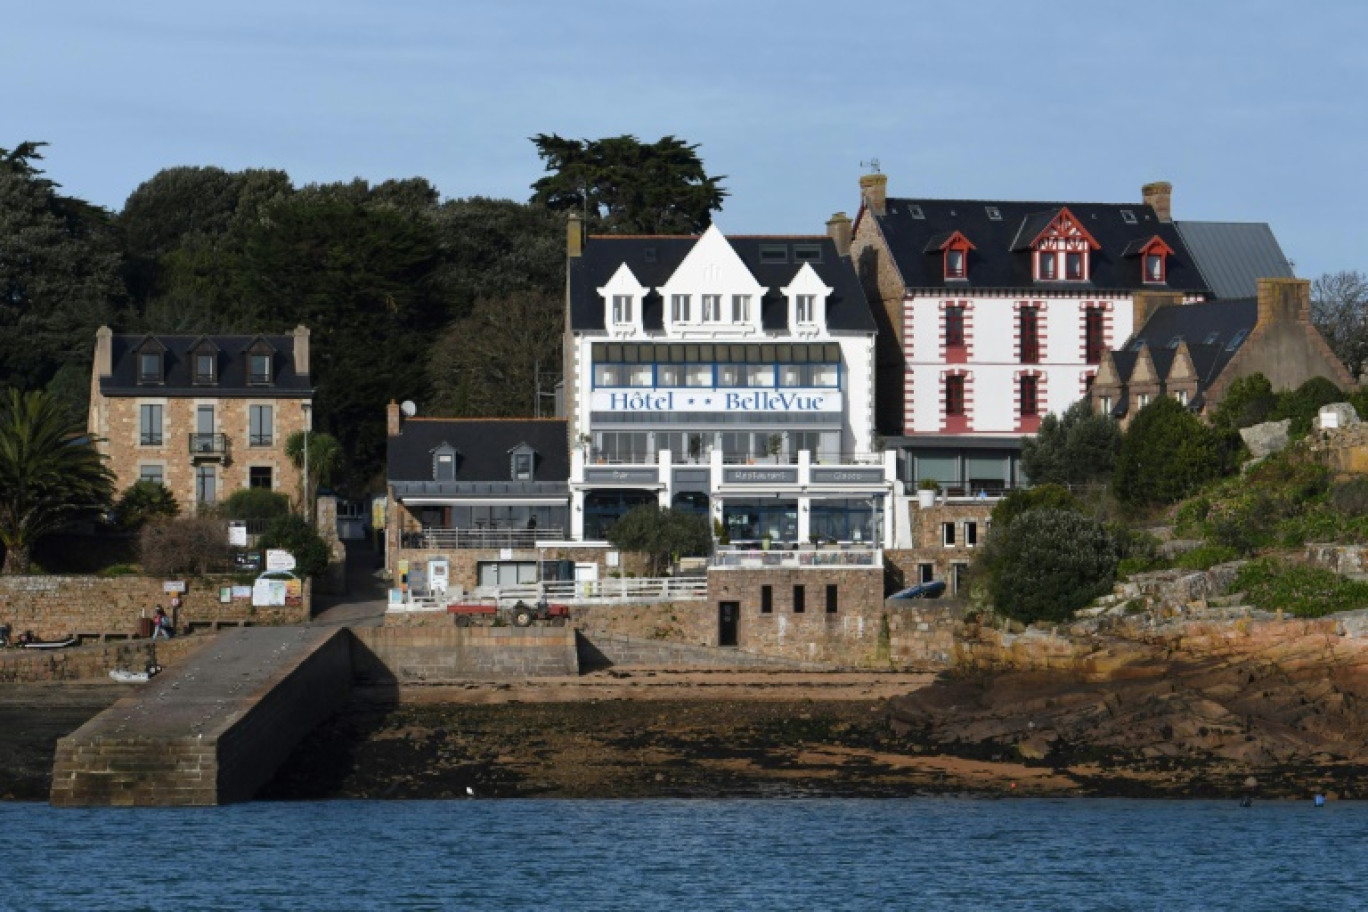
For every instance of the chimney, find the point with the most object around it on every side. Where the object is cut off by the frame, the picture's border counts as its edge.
(574, 236)
(838, 229)
(392, 419)
(874, 192)
(104, 352)
(1284, 301)
(1145, 303)
(1159, 196)
(301, 351)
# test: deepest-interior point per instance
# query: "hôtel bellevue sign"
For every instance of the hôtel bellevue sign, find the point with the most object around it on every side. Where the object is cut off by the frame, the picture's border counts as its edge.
(710, 400)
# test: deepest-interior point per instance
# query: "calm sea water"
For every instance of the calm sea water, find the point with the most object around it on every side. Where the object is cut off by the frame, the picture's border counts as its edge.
(564, 856)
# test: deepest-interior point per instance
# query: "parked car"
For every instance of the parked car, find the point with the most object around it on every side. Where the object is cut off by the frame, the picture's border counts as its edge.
(928, 590)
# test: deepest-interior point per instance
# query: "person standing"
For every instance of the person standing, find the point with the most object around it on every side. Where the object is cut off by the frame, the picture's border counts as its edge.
(161, 624)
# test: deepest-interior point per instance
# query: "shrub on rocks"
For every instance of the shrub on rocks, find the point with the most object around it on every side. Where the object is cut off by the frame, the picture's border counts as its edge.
(1048, 563)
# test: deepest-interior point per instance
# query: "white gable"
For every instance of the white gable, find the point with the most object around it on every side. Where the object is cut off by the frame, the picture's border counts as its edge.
(712, 274)
(806, 283)
(623, 285)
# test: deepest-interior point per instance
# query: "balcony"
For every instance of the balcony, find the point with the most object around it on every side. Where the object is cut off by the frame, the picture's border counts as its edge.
(779, 556)
(435, 539)
(209, 447)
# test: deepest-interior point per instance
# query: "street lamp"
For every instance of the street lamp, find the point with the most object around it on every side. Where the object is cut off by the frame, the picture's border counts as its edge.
(308, 514)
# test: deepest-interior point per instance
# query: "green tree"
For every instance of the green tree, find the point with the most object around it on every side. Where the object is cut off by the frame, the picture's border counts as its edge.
(1248, 401)
(1077, 448)
(143, 501)
(626, 186)
(661, 534)
(1166, 453)
(1046, 564)
(325, 458)
(293, 534)
(486, 364)
(50, 473)
(1303, 404)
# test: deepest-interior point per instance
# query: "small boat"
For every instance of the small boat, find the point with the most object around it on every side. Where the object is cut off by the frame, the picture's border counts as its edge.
(55, 644)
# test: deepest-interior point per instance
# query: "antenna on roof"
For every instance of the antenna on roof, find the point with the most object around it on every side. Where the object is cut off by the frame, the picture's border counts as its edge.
(408, 408)
(872, 165)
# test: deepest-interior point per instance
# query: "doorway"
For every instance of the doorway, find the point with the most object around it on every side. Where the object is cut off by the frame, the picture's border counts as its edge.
(727, 615)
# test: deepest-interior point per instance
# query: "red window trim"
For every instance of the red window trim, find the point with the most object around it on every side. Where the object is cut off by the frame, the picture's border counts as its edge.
(1031, 382)
(1094, 321)
(1028, 347)
(955, 340)
(954, 395)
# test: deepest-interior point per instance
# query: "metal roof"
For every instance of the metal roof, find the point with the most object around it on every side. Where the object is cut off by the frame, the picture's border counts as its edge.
(1233, 256)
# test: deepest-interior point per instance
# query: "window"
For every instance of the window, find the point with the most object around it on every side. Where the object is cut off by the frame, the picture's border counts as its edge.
(954, 264)
(766, 599)
(607, 375)
(1073, 266)
(149, 367)
(1154, 268)
(522, 466)
(1093, 341)
(1028, 322)
(1046, 266)
(259, 369)
(772, 254)
(741, 308)
(807, 253)
(622, 308)
(1128, 216)
(799, 598)
(954, 327)
(259, 477)
(1236, 339)
(806, 308)
(204, 367)
(712, 308)
(153, 473)
(150, 425)
(831, 594)
(948, 534)
(260, 432)
(1030, 406)
(444, 467)
(204, 429)
(993, 212)
(1105, 405)
(954, 394)
(970, 534)
(206, 484)
(1182, 397)
(926, 573)
(1143, 399)
(679, 308)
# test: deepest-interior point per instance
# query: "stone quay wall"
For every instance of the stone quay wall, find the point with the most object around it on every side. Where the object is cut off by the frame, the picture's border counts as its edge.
(435, 655)
(55, 607)
(94, 662)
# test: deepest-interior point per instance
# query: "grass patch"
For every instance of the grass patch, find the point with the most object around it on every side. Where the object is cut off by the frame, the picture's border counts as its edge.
(1305, 592)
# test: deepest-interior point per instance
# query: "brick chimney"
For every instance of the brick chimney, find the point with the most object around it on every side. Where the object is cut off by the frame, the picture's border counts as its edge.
(1159, 195)
(301, 351)
(1284, 301)
(574, 236)
(392, 419)
(104, 352)
(1145, 303)
(838, 229)
(874, 192)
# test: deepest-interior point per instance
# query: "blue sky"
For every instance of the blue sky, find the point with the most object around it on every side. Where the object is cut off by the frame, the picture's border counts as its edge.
(1252, 110)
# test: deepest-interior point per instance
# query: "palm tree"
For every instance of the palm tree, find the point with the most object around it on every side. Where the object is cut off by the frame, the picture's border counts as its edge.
(50, 472)
(325, 456)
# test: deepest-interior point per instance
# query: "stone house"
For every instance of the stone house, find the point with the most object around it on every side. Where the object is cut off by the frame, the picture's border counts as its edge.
(203, 415)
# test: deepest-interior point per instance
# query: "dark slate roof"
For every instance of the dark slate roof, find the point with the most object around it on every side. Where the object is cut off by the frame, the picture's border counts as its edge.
(1001, 259)
(653, 259)
(484, 446)
(231, 366)
(1233, 256)
(1213, 331)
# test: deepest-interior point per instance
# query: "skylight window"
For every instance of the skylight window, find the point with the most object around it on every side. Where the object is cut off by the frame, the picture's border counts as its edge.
(1137, 345)
(649, 255)
(1212, 338)
(773, 253)
(915, 211)
(994, 213)
(1128, 217)
(807, 253)
(1236, 340)
(1175, 342)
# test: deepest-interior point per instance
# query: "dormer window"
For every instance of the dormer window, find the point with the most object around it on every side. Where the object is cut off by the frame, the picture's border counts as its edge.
(954, 249)
(1047, 266)
(1153, 254)
(444, 463)
(1061, 247)
(741, 309)
(679, 308)
(805, 308)
(523, 460)
(954, 264)
(712, 308)
(259, 363)
(1073, 266)
(622, 308)
(150, 367)
(204, 368)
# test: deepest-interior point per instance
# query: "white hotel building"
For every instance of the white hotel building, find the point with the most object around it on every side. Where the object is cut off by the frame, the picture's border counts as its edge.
(733, 376)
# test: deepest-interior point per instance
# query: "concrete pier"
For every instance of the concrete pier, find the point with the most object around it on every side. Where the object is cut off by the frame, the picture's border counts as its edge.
(213, 731)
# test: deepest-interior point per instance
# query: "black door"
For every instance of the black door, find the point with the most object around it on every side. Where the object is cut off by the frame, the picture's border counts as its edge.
(727, 613)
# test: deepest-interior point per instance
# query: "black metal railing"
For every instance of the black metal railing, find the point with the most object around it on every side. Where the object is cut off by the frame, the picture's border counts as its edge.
(209, 446)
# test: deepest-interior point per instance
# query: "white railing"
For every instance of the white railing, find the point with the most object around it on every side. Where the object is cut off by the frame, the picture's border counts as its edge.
(628, 589)
(846, 556)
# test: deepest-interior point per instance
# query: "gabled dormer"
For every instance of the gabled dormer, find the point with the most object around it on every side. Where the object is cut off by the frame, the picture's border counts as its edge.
(151, 362)
(446, 460)
(522, 463)
(1153, 255)
(1059, 246)
(807, 296)
(623, 298)
(204, 362)
(711, 290)
(260, 363)
(954, 252)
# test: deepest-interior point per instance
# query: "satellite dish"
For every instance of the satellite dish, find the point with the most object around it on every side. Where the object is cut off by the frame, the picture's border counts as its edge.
(408, 408)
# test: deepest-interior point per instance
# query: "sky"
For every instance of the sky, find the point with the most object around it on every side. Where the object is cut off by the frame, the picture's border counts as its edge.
(1251, 109)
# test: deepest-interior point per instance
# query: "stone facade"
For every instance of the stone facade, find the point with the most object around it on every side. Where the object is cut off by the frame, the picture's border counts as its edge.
(54, 607)
(434, 655)
(94, 663)
(465, 561)
(946, 539)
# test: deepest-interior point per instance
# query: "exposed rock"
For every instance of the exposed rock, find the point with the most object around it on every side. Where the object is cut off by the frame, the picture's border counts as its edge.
(1335, 416)
(1267, 438)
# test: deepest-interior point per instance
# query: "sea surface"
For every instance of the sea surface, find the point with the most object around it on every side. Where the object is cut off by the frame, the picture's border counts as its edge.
(791, 855)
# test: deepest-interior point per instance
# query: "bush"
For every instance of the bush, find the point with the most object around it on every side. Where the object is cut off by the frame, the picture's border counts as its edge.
(661, 533)
(256, 503)
(1205, 557)
(1048, 563)
(1247, 401)
(1306, 592)
(1042, 497)
(1304, 403)
(143, 501)
(189, 544)
(1078, 448)
(1167, 453)
(292, 533)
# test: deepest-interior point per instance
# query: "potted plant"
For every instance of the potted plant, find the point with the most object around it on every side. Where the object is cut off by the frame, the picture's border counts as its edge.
(927, 489)
(773, 446)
